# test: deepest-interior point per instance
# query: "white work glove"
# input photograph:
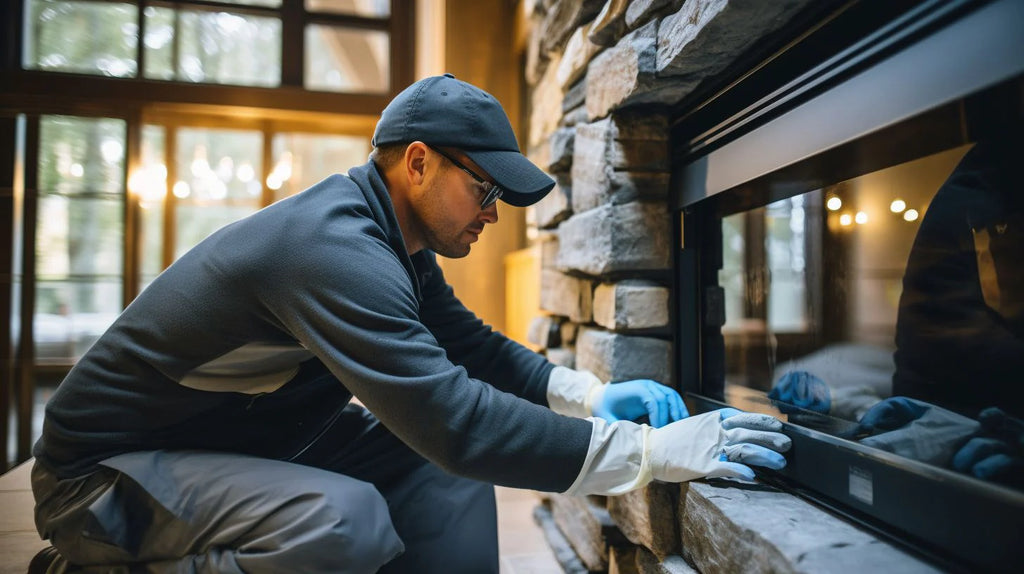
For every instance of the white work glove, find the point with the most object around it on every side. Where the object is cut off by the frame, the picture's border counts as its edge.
(624, 456)
(571, 392)
(716, 444)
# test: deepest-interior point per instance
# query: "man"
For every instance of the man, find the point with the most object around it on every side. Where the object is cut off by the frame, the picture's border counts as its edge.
(210, 428)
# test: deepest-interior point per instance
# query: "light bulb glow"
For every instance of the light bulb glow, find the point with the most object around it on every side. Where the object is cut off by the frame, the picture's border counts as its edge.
(861, 218)
(845, 219)
(910, 215)
(181, 190)
(897, 206)
(834, 203)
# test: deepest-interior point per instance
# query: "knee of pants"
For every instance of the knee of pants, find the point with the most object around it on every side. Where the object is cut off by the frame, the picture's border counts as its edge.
(348, 525)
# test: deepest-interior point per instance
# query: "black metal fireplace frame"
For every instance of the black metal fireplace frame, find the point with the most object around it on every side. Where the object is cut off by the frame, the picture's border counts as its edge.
(768, 131)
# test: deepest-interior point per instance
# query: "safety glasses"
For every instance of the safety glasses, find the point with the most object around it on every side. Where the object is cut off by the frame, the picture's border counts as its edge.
(492, 192)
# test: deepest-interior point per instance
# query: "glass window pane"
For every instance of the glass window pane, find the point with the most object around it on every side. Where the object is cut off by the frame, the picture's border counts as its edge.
(346, 60)
(368, 8)
(213, 47)
(300, 160)
(79, 236)
(81, 155)
(217, 182)
(83, 37)
(269, 3)
(149, 184)
(785, 249)
(71, 314)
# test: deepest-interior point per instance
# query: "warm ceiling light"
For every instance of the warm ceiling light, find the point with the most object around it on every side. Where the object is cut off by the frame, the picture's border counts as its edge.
(897, 206)
(845, 219)
(910, 215)
(834, 203)
(861, 218)
(181, 190)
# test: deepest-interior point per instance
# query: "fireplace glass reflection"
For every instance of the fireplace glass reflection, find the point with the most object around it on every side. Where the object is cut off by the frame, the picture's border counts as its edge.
(888, 309)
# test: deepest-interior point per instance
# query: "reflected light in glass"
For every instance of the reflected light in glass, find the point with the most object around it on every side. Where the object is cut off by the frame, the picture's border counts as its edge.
(834, 203)
(897, 206)
(77, 170)
(182, 190)
(861, 218)
(845, 219)
(910, 215)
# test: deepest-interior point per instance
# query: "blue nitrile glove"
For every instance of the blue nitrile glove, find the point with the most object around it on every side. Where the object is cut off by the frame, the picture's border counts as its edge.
(803, 390)
(746, 433)
(891, 414)
(630, 400)
(998, 454)
(716, 444)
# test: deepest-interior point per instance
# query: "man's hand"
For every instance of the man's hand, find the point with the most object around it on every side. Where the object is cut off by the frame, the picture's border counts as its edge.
(630, 400)
(715, 444)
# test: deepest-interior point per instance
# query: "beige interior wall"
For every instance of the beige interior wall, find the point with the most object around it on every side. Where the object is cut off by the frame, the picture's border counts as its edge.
(480, 48)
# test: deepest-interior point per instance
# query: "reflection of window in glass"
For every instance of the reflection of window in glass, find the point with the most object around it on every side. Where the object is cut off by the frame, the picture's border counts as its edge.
(212, 47)
(217, 181)
(368, 8)
(785, 245)
(79, 233)
(267, 3)
(731, 275)
(149, 184)
(346, 60)
(86, 37)
(300, 160)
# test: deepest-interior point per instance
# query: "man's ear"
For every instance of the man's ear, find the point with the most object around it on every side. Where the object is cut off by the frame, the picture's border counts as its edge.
(415, 162)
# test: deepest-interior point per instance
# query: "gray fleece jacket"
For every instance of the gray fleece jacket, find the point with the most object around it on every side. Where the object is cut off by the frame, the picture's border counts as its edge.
(216, 353)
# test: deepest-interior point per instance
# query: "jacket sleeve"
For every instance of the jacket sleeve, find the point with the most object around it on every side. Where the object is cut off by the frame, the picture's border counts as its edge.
(486, 354)
(348, 298)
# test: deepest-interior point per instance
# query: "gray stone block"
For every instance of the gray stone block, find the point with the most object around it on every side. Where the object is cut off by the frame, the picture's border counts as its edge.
(565, 295)
(562, 19)
(536, 60)
(728, 528)
(561, 150)
(575, 97)
(579, 50)
(705, 36)
(548, 249)
(624, 75)
(544, 332)
(545, 107)
(576, 115)
(578, 520)
(647, 517)
(562, 356)
(556, 206)
(615, 238)
(631, 305)
(642, 11)
(648, 563)
(614, 357)
(610, 23)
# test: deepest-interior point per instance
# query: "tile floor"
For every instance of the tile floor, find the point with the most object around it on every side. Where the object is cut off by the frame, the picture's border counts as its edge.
(521, 541)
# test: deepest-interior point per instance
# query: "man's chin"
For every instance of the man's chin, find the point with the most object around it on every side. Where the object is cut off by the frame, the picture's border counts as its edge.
(457, 252)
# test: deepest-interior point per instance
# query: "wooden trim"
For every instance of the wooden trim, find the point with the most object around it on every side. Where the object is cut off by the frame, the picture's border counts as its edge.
(25, 361)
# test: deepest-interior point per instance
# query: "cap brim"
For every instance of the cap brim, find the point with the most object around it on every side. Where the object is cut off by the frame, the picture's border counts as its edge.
(523, 183)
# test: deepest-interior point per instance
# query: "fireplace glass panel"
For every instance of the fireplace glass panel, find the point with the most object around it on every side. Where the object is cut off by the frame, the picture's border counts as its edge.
(888, 309)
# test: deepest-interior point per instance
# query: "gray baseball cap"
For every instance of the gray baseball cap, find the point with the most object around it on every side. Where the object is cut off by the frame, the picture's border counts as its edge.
(444, 111)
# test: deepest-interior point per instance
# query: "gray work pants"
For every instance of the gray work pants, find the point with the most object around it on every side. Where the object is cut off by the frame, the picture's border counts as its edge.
(372, 505)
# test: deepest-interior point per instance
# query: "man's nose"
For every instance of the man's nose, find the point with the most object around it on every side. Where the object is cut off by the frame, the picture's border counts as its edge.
(490, 215)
